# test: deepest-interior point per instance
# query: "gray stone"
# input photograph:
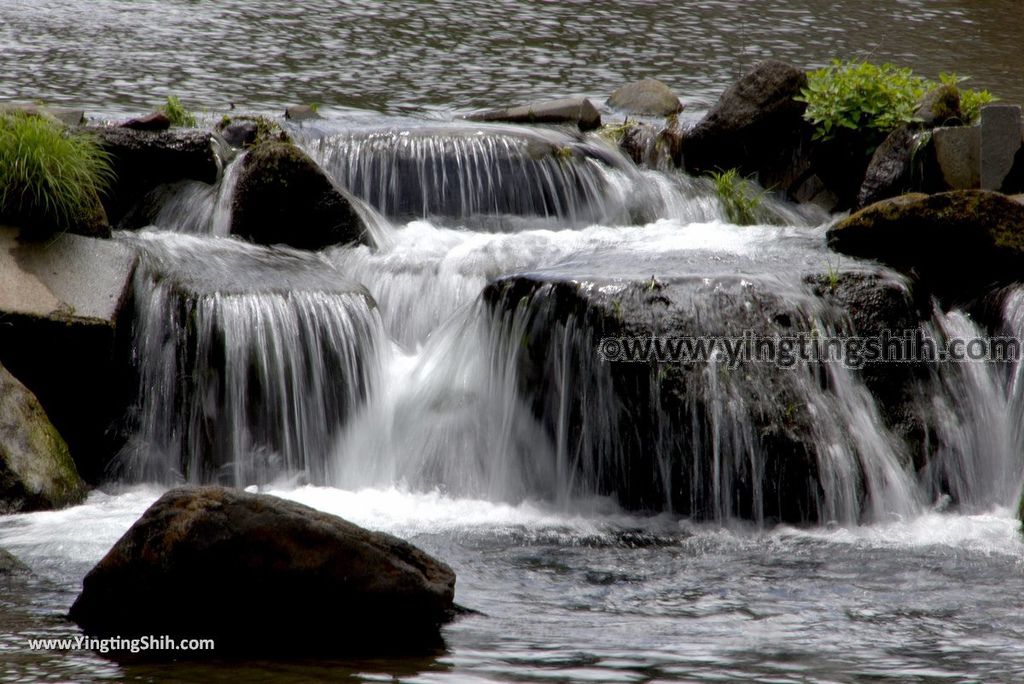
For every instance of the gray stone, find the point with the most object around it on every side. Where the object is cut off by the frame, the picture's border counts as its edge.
(579, 111)
(648, 97)
(61, 303)
(957, 154)
(1000, 141)
(36, 470)
(260, 575)
(301, 113)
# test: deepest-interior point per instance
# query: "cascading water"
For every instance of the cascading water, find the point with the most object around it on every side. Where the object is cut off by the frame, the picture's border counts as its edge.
(498, 178)
(300, 379)
(250, 361)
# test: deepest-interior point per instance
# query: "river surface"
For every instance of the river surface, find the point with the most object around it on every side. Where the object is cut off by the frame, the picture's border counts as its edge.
(568, 586)
(441, 55)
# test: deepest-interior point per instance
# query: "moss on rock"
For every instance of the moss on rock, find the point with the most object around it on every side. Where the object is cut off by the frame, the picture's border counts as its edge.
(960, 243)
(36, 470)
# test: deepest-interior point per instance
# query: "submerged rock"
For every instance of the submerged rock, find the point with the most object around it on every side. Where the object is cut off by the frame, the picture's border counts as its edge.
(283, 197)
(36, 470)
(64, 334)
(756, 127)
(960, 242)
(648, 97)
(579, 111)
(144, 159)
(263, 575)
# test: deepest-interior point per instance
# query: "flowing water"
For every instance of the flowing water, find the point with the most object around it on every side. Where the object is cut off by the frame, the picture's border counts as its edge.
(380, 383)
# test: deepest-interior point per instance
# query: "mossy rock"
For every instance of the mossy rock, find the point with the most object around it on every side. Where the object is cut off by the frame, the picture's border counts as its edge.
(36, 470)
(283, 197)
(959, 243)
(247, 130)
(939, 106)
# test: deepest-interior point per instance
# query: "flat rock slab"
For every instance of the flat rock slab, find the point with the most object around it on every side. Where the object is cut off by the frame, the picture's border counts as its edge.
(579, 111)
(70, 278)
(61, 307)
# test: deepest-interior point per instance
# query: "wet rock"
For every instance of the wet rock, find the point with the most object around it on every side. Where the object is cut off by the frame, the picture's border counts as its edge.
(878, 306)
(283, 197)
(262, 575)
(940, 106)
(643, 432)
(579, 111)
(960, 242)
(756, 127)
(157, 121)
(143, 160)
(301, 113)
(889, 171)
(246, 130)
(645, 144)
(64, 334)
(648, 97)
(36, 470)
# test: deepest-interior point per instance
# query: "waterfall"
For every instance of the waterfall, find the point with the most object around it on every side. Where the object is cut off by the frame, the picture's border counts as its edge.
(977, 409)
(458, 352)
(249, 360)
(495, 178)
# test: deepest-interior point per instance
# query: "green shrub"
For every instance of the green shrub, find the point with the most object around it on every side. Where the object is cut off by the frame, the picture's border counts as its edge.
(49, 177)
(875, 99)
(177, 113)
(740, 198)
(861, 96)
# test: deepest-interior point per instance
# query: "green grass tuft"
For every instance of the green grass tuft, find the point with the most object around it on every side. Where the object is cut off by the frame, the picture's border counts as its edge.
(50, 178)
(740, 198)
(177, 113)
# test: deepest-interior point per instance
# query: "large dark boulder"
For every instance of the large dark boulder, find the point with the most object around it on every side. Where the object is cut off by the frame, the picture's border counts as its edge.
(65, 333)
(283, 197)
(36, 470)
(757, 127)
(145, 159)
(648, 97)
(578, 111)
(265, 576)
(961, 243)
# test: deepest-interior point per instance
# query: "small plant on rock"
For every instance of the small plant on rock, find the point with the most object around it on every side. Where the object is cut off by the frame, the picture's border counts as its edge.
(971, 101)
(50, 178)
(176, 112)
(741, 199)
